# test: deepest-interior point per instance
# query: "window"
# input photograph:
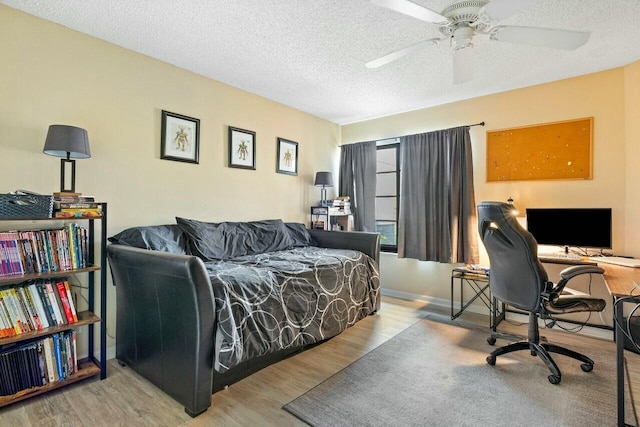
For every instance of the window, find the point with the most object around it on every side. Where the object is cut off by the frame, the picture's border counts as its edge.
(388, 193)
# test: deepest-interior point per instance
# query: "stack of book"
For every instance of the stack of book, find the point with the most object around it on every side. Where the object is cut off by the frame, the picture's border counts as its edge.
(43, 251)
(36, 305)
(75, 205)
(341, 206)
(38, 362)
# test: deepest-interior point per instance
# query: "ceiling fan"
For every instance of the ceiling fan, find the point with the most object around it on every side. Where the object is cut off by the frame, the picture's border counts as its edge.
(462, 21)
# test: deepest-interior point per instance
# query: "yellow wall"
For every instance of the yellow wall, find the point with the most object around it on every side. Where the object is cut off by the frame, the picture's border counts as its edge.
(52, 75)
(611, 97)
(632, 152)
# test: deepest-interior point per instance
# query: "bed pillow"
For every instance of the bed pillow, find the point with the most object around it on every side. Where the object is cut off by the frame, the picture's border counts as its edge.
(166, 238)
(226, 240)
(299, 234)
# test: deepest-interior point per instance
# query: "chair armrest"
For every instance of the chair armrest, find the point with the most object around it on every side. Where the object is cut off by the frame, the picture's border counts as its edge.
(365, 242)
(571, 272)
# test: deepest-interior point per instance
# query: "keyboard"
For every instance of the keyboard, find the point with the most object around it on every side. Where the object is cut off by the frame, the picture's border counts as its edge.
(617, 260)
(559, 255)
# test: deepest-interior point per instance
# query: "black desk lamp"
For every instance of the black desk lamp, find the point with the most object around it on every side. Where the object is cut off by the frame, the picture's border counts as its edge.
(323, 179)
(68, 142)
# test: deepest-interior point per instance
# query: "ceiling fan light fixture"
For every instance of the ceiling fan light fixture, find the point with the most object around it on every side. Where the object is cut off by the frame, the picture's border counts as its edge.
(462, 37)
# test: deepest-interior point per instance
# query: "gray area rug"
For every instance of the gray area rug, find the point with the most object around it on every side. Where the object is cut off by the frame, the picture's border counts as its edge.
(435, 374)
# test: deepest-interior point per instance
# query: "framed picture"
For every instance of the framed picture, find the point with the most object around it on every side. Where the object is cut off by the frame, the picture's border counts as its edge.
(287, 161)
(242, 148)
(180, 138)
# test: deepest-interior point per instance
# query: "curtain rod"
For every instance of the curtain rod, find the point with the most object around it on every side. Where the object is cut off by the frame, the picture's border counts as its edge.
(398, 137)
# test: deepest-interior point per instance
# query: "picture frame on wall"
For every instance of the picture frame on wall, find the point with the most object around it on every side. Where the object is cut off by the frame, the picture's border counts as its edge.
(287, 158)
(180, 138)
(242, 148)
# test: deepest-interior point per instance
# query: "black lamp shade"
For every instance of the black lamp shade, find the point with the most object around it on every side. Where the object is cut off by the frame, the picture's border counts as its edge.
(70, 143)
(323, 179)
(67, 141)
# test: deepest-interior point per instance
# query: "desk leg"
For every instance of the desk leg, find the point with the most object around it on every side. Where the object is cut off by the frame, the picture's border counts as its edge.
(452, 314)
(619, 337)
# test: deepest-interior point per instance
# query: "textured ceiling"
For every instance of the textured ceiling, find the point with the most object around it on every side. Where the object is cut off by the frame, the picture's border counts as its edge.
(310, 54)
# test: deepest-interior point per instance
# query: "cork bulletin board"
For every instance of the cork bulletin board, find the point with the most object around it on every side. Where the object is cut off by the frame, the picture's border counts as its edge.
(559, 150)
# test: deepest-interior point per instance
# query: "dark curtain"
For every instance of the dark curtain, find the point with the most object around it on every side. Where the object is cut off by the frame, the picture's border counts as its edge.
(437, 218)
(358, 181)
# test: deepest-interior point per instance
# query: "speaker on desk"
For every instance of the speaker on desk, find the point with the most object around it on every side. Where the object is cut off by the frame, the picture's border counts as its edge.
(634, 332)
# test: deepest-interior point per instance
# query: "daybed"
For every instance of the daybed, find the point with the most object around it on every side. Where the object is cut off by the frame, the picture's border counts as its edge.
(202, 305)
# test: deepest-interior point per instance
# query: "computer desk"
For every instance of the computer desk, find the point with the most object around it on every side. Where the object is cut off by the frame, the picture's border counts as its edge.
(621, 284)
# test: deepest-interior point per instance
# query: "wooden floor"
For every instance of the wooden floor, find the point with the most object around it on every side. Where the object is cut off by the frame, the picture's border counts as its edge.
(124, 398)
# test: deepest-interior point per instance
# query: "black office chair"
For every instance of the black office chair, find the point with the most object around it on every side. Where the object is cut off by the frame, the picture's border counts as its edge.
(518, 278)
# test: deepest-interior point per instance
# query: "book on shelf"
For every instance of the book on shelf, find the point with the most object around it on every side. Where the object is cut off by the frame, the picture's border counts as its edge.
(76, 205)
(72, 304)
(12, 320)
(49, 361)
(59, 194)
(59, 198)
(62, 293)
(36, 305)
(55, 304)
(37, 362)
(8, 329)
(39, 306)
(57, 351)
(46, 303)
(77, 214)
(25, 295)
(318, 225)
(42, 251)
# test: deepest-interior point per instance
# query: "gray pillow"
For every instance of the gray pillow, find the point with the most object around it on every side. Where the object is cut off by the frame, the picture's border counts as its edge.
(225, 240)
(299, 234)
(166, 238)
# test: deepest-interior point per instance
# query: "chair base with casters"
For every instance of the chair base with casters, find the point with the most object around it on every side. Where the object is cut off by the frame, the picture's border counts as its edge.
(541, 350)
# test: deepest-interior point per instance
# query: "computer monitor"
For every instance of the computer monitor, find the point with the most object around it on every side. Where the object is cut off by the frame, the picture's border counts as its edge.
(578, 227)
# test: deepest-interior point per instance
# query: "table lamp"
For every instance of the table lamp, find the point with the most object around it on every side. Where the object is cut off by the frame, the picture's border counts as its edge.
(68, 142)
(323, 179)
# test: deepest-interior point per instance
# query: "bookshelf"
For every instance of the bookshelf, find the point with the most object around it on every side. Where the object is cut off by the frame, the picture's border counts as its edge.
(87, 319)
(323, 219)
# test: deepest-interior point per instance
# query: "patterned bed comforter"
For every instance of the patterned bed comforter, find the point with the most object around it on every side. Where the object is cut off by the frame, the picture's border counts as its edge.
(285, 299)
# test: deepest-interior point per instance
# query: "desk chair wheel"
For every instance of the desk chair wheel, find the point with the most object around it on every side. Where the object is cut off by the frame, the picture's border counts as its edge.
(587, 367)
(554, 379)
(491, 340)
(491, 360)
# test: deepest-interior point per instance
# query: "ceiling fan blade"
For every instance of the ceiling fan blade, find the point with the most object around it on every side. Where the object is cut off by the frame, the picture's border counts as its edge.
(462, 65)
(500, 9)
(400, 53)
(411, 9)
(541, 37)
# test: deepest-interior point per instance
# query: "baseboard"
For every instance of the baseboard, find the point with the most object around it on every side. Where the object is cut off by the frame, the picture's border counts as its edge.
(111, 353)
(440, 303)
(445, 304)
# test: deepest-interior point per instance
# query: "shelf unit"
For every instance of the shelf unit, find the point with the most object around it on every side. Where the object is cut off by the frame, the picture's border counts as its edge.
(89, 366)
(323, 219)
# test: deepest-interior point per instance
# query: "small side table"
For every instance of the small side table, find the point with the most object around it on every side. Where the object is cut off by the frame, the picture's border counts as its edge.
(477, 280)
